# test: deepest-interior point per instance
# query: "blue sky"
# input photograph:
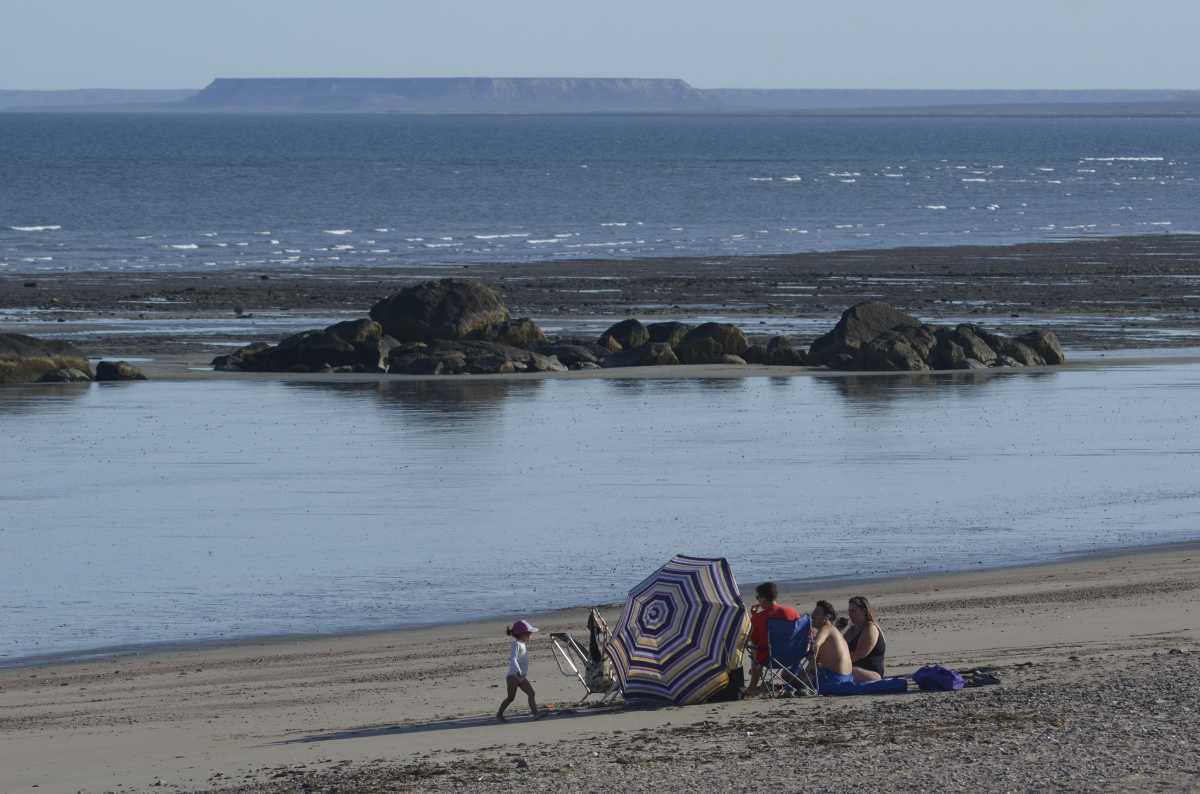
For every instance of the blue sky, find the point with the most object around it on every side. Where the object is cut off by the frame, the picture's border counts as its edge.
(46, 44)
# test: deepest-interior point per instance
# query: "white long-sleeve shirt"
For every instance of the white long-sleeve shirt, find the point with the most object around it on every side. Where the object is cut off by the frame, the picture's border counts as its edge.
(519, 662)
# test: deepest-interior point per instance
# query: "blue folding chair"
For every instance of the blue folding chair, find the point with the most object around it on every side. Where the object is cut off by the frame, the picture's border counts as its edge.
(787, 666)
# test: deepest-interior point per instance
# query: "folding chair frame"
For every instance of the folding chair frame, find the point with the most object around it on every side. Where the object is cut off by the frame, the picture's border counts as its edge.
(777, 675)
(565, 646)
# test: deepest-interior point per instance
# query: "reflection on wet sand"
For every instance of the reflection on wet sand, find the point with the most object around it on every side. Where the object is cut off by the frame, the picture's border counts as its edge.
(449, 396)
(879, 390)
(41, 397)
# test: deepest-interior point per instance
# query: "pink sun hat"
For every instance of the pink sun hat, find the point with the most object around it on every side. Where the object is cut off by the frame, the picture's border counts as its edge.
(523, 627)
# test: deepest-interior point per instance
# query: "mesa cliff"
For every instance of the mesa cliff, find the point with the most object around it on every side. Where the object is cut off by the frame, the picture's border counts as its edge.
(452, 95)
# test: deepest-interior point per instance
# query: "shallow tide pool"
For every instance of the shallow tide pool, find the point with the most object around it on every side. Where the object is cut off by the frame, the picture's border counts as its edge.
(180, 512)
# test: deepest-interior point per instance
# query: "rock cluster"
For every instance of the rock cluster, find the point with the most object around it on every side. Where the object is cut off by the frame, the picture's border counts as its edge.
(27, 359)
(454, 326)
(447, 327)
(873, 336)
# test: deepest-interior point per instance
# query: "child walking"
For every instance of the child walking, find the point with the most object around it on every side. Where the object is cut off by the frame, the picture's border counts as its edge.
(518, 669)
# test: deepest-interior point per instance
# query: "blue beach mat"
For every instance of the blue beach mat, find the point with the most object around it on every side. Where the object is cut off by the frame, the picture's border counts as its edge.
(884, 686)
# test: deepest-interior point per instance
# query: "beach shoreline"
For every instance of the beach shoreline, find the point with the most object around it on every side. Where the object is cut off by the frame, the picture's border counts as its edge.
(882, 582)
(409, 710)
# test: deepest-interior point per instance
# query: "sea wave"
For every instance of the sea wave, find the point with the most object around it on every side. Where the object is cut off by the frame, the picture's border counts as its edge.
(50, 228)
(1123, 159)
(185, 247)
(339, 232)
(935, 206)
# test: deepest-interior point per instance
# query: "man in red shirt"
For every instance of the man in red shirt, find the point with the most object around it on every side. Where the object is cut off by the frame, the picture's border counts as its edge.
(765, 609)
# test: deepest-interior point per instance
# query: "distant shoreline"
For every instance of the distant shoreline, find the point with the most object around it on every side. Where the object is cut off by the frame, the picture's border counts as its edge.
(599, 96)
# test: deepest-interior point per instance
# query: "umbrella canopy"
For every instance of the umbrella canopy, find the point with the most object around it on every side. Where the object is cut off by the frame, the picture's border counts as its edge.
(680, 633)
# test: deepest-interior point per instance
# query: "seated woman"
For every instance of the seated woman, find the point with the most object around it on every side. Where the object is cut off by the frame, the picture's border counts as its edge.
(866, 641)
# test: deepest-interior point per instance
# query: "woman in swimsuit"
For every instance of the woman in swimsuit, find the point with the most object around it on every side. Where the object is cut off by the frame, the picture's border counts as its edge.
(866, 641)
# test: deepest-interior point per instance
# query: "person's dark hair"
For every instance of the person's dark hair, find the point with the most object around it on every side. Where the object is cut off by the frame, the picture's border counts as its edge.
(828, 609)
(508, 630)
(862, 603)
(767, 590)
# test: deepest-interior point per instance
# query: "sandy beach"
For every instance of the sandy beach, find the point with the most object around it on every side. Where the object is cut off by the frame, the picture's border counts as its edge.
(1098, 659)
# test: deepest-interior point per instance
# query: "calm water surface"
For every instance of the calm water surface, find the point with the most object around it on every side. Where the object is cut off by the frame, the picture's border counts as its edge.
(134, 513)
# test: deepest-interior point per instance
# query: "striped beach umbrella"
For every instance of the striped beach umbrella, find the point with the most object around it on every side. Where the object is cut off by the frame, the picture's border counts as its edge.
(680, 632)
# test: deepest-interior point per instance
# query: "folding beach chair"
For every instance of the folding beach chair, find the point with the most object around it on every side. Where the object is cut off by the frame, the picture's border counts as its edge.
(596, 676)
(787, 667)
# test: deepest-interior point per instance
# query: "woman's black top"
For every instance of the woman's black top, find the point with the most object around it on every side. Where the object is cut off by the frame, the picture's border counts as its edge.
(873, 661)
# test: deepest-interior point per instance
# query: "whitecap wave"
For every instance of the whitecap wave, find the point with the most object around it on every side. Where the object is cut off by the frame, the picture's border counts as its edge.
(935, 206)
(974, 179)
(339, 232)
(793, 178)
(615, 223)
(50, 228)
(185, 247)
(499, 236)
(1124, 159)
(544, 242)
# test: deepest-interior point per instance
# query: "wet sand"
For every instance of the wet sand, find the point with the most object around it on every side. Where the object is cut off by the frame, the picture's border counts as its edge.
(1106, 293)
(1097, 657)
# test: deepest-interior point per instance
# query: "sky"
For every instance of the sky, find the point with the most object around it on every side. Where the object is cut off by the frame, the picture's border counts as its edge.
(55, 44)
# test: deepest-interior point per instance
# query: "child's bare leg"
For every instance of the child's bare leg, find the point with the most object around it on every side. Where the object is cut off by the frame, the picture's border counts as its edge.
(512, 695)
(527, 688)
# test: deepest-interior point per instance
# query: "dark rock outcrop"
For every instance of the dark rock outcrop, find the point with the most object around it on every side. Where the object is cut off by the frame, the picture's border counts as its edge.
(355, 345)
(446, 309)
(756, 354)
(710, 343)
(780, 353)
(65, 375)
(858, 325)
(669, 333)
(522, 332)
(118, 370)
(1046, 345)
(573, 355)
(654, 354)
(628, 334)
(902, 349)
(471, 356)
(241, 359)
(27, 359)
(909, 346)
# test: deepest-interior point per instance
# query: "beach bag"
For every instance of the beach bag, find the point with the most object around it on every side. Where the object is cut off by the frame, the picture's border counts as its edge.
(935, 678)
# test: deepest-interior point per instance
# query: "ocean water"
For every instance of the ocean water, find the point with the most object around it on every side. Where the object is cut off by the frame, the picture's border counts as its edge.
(183, 512)
(159, 192)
